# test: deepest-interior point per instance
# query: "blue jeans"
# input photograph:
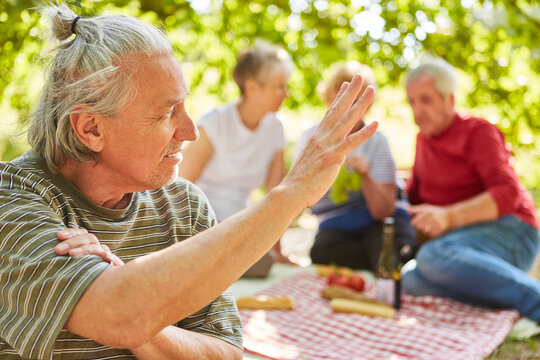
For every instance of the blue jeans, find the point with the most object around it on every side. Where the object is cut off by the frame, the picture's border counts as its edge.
(483, 264)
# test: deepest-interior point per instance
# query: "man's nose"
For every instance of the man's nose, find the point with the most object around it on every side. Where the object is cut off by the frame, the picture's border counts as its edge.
(186, 129)
(416, 110)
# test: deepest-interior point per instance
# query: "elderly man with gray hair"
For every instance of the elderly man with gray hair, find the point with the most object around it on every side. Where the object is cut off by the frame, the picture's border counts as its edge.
(469, 202)
(106, 140)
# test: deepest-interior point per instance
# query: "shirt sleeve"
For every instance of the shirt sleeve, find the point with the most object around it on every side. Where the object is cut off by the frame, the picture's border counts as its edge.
(382, 166)
(39, 289)
(491, 160)
(219, 319)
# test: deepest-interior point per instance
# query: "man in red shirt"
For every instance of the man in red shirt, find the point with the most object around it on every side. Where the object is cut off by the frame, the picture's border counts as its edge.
(467, 197)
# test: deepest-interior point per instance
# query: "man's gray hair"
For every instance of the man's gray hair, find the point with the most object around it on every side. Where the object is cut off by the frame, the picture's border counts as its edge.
(442, 73)
(86, 70)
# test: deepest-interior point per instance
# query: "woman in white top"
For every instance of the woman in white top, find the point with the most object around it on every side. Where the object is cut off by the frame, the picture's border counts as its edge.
(241, 145)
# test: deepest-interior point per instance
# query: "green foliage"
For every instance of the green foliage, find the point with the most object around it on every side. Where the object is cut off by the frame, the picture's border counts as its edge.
(492, 42)
(346, 181)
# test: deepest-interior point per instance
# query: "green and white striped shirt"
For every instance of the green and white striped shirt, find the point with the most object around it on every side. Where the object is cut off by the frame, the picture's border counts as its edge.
(39, 289)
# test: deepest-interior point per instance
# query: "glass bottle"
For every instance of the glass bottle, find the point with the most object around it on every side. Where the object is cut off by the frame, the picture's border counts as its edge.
(388, 269)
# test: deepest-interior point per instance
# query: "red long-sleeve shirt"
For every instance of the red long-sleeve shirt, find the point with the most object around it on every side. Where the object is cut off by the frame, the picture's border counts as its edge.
(468, 158)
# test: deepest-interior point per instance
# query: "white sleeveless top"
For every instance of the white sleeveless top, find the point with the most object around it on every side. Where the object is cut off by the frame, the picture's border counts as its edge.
(241, 157)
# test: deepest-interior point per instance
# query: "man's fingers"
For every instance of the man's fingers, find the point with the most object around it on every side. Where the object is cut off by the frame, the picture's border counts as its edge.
(78, 242)
(342, 89)
(355, 113)
(352, 141)
(342, 103)
(90, 249)
(115, 260)
(71, 232)
(412, 210)
(71, 242)
(102, 251)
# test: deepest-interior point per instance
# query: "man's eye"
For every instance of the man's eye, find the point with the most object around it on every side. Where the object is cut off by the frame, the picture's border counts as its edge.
(168, 114)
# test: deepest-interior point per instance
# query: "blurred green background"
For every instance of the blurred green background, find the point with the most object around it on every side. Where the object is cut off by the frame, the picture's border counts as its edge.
(493, 44)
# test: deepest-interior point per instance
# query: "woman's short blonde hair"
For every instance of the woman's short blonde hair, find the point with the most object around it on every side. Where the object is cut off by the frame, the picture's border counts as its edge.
(260, 62)
(342, 72)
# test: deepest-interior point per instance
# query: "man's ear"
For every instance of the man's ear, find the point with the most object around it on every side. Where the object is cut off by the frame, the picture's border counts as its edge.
(452, 100)
(88, 126)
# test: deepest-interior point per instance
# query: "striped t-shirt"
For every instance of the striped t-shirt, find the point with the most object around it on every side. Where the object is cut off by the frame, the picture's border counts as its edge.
(39, 289)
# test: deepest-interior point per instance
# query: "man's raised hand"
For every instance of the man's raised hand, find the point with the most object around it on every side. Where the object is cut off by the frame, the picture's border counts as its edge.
(318, 164)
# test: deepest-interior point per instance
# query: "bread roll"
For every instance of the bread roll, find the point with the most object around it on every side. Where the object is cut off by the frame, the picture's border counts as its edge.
(325, 270)
(361, 307)
(266, 303)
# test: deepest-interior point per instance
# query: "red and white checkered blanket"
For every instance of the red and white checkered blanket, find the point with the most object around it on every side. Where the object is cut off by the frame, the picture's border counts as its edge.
(425, 328)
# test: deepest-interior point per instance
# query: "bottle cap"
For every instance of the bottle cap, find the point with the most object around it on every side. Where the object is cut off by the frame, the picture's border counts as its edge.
(389, 220)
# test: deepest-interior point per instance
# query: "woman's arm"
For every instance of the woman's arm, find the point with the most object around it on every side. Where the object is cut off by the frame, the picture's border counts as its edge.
(196, 156)
(380, 197)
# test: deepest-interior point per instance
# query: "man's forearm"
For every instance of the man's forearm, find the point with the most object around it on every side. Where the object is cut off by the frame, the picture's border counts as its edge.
(477, 209)
(175, 343)
(162, 288)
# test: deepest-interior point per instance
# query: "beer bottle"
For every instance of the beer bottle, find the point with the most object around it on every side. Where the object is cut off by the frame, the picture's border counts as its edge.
(388, 269)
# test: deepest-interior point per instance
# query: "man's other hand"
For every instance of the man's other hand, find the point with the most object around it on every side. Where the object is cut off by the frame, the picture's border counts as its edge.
(78, 242)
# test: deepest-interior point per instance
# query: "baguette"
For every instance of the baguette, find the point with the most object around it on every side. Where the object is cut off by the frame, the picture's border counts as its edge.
(360, 307)
(266, 303)
(325, 270)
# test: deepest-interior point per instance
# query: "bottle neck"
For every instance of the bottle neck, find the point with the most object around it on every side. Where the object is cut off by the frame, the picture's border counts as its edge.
(388, 236)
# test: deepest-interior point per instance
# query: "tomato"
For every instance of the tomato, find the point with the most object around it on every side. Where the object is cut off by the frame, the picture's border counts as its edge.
(342, 280)
(331, 278)
(337, 279)
(357, 282)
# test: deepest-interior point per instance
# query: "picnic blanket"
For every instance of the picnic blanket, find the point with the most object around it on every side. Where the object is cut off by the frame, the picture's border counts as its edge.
(424, 328)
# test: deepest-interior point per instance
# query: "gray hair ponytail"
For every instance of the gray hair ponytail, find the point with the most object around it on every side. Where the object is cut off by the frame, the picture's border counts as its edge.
(86, 71)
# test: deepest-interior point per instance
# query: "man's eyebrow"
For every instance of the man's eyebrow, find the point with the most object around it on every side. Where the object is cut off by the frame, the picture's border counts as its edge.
(173, 102)
(176, 101)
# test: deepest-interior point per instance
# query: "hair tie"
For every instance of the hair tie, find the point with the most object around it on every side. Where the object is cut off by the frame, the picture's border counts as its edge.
(75, 23)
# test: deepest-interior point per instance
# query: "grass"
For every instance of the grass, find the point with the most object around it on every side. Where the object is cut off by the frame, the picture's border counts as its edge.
(517, 350)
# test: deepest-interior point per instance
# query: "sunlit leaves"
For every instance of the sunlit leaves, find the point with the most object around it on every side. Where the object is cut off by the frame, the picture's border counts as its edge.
(494, 43)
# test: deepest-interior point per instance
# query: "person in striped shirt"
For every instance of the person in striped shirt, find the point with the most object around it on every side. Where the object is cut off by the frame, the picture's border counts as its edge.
(106, 139)
(350, 232)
